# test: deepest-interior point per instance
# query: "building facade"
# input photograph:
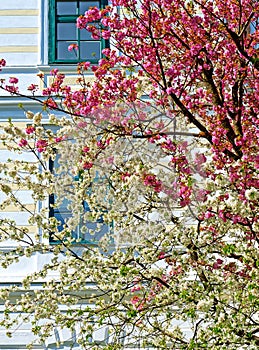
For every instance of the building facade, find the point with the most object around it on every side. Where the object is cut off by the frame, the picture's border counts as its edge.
(34, 38)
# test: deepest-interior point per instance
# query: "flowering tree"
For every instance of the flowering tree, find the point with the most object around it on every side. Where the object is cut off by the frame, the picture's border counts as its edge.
(163, 148)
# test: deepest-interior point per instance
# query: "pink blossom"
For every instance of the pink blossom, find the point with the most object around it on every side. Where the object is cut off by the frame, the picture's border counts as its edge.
(72, 47)
(125, 176)
(161, 255)
(184, 190)
(217, 264)
(169, 90)
(11, 88)
(183, 146)
(222, 215)
(81, 125)
(175, 271)
(150, 180)
(87, 165)
(185, 202)
(54, 71)
(109, 160)
(215, 140)
(106, 51)
(200, 158)
(201, 195)
(95, 34)
(2, 63)
(41, 145)
(106, 34)
(169, 145)
(86, 149)
(32, 87)
(23, 143)
(135, 288)
(50, 103)
(100, 144)
(87, 65)
(30, 130)
(13, 80)
(209, 215)
(135, 300)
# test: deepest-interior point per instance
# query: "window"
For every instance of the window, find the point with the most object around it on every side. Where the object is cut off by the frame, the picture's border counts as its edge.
(253, 28)
(86, 232)
(63, 32)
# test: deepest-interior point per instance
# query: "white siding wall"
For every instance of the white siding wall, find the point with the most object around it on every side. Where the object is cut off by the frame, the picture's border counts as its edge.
(19, 31)
(24, 46)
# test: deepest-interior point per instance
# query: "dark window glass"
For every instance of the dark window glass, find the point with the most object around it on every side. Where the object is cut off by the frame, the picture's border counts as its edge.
(90, 49)
(66, 31)
(85, 5)
(66, 8)
(63, 52)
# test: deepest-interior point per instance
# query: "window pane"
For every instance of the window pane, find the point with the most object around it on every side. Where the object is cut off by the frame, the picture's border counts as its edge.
(62, 217)
(90, 50)
(84, 5)
(66, 8)
(253, 26)
(85, 35)
(66, 31)
(98, 232)
(63, 53)
(63, 206)
(89, 231)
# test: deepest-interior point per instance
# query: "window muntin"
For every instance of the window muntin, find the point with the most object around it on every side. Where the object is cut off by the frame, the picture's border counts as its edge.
(63, 32)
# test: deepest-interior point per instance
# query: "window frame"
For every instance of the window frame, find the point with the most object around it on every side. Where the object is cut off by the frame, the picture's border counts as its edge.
(54, 19)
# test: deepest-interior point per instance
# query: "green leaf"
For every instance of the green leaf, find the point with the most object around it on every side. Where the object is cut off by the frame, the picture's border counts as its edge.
(132, 313)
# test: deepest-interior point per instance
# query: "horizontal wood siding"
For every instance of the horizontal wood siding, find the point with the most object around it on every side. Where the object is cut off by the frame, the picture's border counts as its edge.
(19, 32)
